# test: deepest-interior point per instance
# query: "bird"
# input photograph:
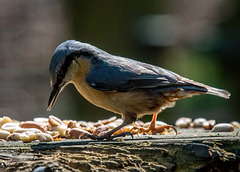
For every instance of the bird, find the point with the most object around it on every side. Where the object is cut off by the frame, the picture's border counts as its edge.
(118, 84)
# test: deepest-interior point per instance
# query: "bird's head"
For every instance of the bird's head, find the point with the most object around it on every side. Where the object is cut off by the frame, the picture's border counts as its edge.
(64, 65)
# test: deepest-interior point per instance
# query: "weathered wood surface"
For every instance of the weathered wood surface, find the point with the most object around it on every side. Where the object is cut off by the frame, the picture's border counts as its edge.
(193, 150)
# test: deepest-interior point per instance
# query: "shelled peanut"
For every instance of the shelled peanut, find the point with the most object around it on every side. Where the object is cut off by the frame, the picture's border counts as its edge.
(53, 128)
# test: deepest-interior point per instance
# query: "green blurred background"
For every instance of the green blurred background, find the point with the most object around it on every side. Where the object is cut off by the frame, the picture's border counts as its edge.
(196, 39)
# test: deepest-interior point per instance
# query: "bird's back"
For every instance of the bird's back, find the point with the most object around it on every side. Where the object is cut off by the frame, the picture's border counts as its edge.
(123, 74)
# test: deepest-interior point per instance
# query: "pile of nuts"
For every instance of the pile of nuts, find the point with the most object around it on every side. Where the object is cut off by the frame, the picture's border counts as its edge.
(185, 122)
(52, 128)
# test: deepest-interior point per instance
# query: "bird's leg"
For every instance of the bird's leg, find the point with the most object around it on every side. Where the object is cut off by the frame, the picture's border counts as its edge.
(109, 135)
(153, 129)
(153, 122)
(159, 129)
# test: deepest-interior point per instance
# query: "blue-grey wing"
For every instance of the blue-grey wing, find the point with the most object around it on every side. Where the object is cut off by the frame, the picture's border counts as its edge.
(123, 74)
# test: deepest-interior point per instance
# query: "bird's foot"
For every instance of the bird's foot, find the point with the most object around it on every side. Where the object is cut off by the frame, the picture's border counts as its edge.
(155, 130)
(105, 136)
(163, 129)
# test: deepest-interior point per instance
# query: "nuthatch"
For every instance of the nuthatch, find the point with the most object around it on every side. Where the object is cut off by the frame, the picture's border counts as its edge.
(118, 84)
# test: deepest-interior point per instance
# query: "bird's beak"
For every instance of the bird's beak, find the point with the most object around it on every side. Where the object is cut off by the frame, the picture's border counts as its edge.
(53, 96)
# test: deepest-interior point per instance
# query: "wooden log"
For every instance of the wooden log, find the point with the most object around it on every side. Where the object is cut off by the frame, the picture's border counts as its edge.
(194, 149)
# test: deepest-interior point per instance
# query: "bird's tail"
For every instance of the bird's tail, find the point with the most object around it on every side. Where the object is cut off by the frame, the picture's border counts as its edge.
(205, 89)
(218, 92)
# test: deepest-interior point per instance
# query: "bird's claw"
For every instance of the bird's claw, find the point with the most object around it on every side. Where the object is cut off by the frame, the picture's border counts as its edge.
(105, 136)
(122, 135)
(93, 137)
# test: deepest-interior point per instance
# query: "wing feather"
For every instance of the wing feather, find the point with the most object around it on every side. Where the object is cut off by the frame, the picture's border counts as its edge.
(123, 74)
